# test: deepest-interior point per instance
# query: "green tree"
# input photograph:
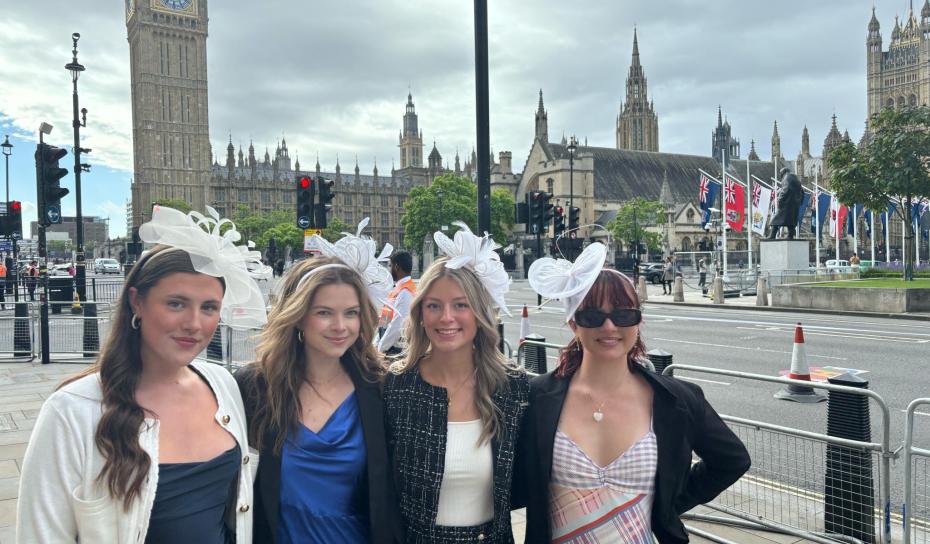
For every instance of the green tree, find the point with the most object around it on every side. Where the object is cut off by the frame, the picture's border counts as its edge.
(633, 216)
(448, 199)
(335, 227)
(287, 235)
(176, 203)
(895, 163)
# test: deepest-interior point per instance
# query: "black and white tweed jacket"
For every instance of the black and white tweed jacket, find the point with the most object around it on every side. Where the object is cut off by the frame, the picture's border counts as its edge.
(417, 418)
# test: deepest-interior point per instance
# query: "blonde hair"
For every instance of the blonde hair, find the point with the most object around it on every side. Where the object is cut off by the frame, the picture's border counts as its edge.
(491, 367)
(280, 355)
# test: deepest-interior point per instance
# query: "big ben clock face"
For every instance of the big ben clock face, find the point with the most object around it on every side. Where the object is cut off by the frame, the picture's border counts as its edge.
(184, 7)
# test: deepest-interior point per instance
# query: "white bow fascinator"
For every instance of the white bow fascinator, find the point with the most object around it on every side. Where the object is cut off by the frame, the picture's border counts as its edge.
(477, 254)
(567, 281)
(215, 253)
(359, 254)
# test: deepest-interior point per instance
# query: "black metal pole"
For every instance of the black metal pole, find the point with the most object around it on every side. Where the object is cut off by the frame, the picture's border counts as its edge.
(482, 110)
(43, 273)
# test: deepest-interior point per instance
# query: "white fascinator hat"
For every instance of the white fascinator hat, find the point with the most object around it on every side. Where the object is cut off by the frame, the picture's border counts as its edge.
(358, 253)
(568, 281)
(476, 253)
(211, 244)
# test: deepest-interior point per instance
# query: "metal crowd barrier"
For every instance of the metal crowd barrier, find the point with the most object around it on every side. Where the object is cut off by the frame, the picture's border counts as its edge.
(783, 491)
(232, 348)
(786, 277)
(70, 337)
(916, 482)
(19, 334)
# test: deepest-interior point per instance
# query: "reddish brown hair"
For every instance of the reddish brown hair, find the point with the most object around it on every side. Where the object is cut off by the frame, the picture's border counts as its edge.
(611, 289)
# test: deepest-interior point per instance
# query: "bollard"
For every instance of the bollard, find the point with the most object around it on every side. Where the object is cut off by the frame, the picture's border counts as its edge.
(660, 359)
(91, 330)
(718, 290)
(500, 334)
(534, 357)
(22, 341)
(762, 293)
(215, 347)
(849, 489)
(679, 292)
(643, 294)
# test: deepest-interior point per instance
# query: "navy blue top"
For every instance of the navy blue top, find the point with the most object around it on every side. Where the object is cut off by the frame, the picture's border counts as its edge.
(190, 501)
(323, 477)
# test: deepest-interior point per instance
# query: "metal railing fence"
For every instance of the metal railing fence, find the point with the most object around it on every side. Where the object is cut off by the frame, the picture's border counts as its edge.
(916, 509)
(790, 467)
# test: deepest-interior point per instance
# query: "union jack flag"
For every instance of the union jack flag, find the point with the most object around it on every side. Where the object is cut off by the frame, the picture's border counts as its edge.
(705, 188)
(730, 193)
(756, 195)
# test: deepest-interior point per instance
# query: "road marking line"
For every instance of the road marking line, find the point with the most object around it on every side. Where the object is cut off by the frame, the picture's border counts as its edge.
(838, 335)
(787, 315)
(776, 324)
(744, 348)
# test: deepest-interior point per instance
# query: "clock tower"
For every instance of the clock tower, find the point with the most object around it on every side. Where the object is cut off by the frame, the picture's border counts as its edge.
(170, 131)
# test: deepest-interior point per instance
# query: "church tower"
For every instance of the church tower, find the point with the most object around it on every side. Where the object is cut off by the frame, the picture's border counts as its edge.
(637, 124)
(723, 145)
(411, 139)
(542, 122)
(170, 130)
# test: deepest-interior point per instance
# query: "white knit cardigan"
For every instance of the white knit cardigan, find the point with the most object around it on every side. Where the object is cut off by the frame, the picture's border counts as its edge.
(60, 498)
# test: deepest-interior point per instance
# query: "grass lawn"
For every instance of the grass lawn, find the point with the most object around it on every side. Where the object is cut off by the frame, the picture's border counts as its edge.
(886, 283)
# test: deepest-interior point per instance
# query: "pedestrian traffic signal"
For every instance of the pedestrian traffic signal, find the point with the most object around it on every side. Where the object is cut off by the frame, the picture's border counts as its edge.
(13, 222)
(48, 183)
(305, 189)
(558, 221)
(326, 197)
(573, 217)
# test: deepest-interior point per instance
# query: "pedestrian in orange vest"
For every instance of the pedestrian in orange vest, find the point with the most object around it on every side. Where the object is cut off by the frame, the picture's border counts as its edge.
(391, 322)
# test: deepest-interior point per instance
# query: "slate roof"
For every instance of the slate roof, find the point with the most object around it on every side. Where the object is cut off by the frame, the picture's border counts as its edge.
(621, 174)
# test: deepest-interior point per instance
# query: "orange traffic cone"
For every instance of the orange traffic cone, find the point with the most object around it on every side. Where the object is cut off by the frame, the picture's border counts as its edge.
(524, 324)
(799, 371)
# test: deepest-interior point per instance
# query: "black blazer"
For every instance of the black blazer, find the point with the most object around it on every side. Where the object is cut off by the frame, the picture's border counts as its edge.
(683, 422)
(385, 522)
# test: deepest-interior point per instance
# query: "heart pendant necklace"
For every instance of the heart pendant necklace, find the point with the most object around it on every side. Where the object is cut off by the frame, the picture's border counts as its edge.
(598, 415)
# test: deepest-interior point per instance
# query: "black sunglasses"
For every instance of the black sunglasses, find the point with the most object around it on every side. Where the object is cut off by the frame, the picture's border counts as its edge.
(621, 317)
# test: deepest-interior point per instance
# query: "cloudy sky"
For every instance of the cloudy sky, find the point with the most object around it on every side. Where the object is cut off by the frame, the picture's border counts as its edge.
(332, 77)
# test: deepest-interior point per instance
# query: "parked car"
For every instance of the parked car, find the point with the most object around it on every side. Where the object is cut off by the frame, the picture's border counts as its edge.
(652, 272)
(59, 270)
(106, 266)
(834, 265)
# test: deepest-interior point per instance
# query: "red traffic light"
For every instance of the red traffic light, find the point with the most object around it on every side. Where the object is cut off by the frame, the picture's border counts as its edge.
(305, 182)
(16, 205)
(559, 210)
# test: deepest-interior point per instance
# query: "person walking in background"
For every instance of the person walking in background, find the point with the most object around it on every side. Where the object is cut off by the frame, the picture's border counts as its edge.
(702, 275)
(3, 278)
(668, 275)
(149, 444)
(32, 278)
(393, 314)
(454, 403)
(606, 450)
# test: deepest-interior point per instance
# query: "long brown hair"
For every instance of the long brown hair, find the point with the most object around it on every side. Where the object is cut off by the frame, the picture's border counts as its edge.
(491, 367)
(126, 464)
(281, 362)
(612, 289)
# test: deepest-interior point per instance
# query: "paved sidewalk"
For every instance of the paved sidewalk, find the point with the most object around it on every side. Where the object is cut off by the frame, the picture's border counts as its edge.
(25, 386)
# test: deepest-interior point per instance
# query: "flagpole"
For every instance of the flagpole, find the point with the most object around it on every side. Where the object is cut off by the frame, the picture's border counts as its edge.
(749, 214)
(872, 236)
(903, 232)
(916, 228)
(723, 178)
(817, 212)
(887, 236)
(835, 213)
(855, 230)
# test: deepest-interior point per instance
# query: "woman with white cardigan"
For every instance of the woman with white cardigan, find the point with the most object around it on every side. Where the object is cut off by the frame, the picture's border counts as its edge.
(149, 443)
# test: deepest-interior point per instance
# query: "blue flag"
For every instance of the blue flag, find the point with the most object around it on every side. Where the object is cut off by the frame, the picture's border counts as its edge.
(805, 202)
(868, 223)
(707, 196)
(851, 221)
(823, 209)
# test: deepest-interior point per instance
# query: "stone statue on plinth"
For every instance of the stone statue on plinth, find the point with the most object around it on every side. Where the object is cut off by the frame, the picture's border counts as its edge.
(788, 204)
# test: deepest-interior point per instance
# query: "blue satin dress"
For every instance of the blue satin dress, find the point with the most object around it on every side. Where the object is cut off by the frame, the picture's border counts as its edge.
(323, 482)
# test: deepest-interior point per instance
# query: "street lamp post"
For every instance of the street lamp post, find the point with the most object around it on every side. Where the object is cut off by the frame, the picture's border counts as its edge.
(572, 147)
(12, 273)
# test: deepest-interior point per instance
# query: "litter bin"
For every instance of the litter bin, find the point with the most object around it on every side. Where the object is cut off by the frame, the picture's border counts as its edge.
(60, 292)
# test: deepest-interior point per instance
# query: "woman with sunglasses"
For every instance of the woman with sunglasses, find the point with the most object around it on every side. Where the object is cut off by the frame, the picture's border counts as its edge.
(605, 455)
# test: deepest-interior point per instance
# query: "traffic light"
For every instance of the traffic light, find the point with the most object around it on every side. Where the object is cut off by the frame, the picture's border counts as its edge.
(536, 204)
(547, 215)
(14, 218)
(558, 221)
(305, 188)
(326, 197)
(48, 183)
(573, 219)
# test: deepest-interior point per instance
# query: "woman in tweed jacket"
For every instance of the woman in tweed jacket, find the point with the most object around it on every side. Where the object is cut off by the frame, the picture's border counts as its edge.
(454, 407)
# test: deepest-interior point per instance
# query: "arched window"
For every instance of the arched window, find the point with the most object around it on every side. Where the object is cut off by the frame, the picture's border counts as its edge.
(901, 102)
(690, 215)
(890, 103)
(686, 242)
(912, 100)
(550, 184)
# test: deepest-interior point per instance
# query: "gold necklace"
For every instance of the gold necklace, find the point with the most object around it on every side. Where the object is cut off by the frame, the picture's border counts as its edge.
(460, 386)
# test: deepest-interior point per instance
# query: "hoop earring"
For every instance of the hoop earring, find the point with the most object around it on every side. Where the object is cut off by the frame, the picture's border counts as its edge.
(135, 322)
(300, 336)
